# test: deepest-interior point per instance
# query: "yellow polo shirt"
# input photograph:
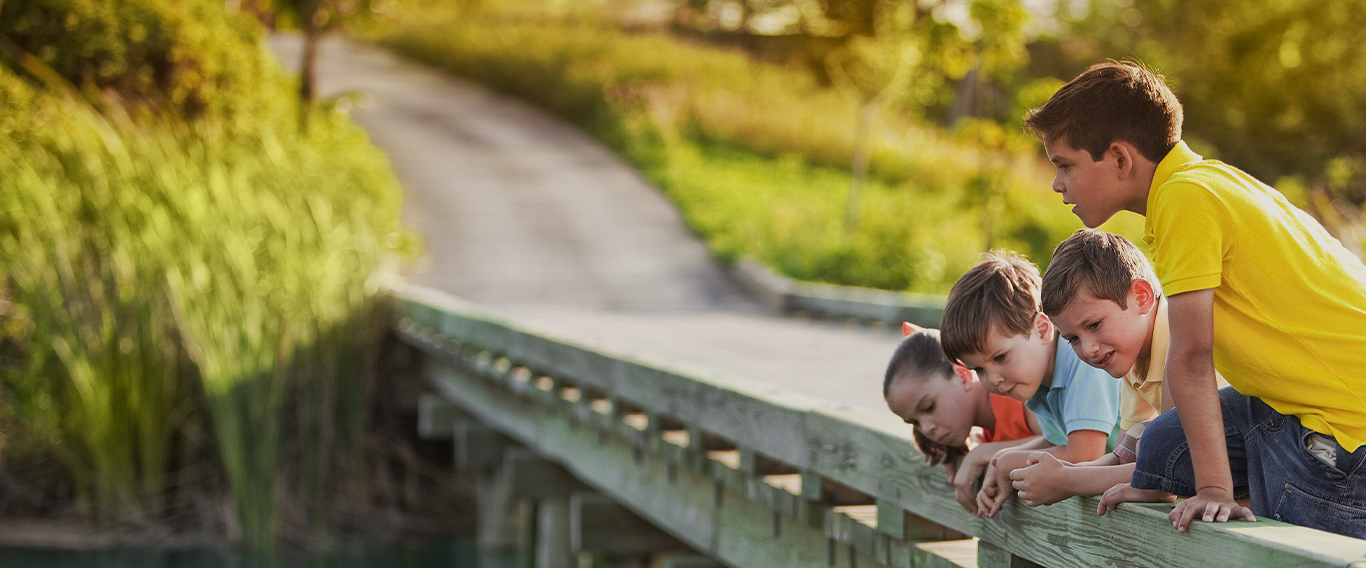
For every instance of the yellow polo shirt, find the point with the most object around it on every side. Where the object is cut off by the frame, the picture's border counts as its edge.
(1140, 394)
(1289, 300)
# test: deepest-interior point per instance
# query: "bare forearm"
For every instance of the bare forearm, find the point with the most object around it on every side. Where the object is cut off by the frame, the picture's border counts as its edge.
(1082, 446)
(1197, 405)
(1190, 377)
(990, 448)
(1095, 480)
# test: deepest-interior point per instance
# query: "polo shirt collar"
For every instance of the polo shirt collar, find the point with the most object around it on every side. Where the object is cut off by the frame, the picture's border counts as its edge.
(1179, 156)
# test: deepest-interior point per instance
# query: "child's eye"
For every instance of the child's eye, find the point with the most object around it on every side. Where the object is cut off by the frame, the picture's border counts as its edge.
(1072, 340)
(1000, 358)
(1093, 326)
(930, 408)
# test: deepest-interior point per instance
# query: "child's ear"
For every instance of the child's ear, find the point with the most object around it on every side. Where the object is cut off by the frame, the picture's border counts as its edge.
(1124, 157)
(1043, 326)
(1141, 292)
(965, 375)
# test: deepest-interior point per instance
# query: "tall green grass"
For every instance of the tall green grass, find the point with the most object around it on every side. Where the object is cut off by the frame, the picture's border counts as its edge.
(168, 281)
(757, 156)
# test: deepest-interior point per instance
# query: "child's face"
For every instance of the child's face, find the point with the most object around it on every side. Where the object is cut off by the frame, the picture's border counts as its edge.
(1015, 365)
(943, 408)
(1106, 336)
(1091, 186)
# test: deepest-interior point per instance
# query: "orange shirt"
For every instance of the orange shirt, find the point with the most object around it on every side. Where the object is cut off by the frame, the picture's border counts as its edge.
(1011, 421)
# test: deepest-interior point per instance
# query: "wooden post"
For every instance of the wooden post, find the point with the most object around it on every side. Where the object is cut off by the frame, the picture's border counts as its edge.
(478, 447)
(553, 546)
(992, 556)
(437, 417)
(899, 523)
(504, 523)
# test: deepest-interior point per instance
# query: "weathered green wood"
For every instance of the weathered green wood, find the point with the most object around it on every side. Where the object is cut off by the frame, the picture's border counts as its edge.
(554, 545)
(477, 446)
(738, 532)
(436, 417)
(992, 556)
(530, 476)
(601, 526)
(870, 454)
(504, 525)
(898, 523)
(944, 554)
(688, 560)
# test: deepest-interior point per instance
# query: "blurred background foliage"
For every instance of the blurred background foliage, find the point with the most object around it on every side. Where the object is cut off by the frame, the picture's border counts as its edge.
(791, 103)
(189, 309)
(188, 279)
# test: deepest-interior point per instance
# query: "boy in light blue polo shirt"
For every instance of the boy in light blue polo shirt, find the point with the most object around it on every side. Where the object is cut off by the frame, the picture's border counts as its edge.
(993, 324)
(1076, 400)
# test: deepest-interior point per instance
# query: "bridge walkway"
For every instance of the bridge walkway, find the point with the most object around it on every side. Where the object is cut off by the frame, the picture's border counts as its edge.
(525, 214)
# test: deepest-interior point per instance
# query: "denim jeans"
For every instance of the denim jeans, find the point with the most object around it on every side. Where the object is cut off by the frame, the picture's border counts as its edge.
(1289, 472)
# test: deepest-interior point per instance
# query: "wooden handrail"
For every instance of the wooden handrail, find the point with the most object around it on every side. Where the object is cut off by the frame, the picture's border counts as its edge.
(841, 453)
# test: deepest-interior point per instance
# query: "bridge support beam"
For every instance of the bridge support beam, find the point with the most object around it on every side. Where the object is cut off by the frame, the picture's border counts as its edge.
(992, 556)
(554, 546)
(504, 532)
(437, 417)
(601, 526)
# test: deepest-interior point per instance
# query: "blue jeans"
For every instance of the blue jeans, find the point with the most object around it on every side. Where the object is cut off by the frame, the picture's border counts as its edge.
(1289, 472)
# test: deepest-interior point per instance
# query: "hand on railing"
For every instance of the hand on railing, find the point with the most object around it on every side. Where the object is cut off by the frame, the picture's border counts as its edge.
(1125, 493)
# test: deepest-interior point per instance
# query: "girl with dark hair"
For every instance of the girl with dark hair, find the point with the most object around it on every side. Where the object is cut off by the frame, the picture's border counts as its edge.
(944, 402)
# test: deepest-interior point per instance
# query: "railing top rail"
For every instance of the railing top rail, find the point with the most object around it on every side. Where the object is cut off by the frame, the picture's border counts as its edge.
(869, 452)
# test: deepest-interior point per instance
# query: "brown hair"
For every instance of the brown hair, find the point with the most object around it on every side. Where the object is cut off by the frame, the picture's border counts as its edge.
(1110, 101)
(920, 357)
(1102, 264)
(1002, 290)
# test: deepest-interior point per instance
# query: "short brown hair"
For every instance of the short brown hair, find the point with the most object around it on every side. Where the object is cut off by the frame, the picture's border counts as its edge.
(1102, 264)
(1115, 100)
(1002, 290)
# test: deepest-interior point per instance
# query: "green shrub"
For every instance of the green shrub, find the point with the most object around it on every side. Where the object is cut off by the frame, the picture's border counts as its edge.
(190, 279)
(189, 58)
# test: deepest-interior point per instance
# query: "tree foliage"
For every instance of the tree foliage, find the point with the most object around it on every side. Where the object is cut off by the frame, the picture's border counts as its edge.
(1276, 88)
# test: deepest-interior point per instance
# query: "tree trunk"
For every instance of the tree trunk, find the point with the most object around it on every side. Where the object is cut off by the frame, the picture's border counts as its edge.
(861, 135)
(308, 68)
(967, 96)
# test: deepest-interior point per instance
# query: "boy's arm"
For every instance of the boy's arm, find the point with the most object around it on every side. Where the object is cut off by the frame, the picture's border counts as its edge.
(1190, 374)
(1082, 446)
(1047, 480)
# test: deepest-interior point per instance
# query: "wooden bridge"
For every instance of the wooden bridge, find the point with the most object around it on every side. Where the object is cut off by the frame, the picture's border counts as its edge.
(786, 458)
(581, 449)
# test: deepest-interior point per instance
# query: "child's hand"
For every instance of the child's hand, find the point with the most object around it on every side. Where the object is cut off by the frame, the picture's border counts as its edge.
(987, 495)
(1043, 480)
(1212, 505)
(965, 480)
(1124, 493)
(998, 480)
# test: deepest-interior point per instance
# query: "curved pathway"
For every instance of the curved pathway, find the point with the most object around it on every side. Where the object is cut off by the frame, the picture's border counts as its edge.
(523, 213)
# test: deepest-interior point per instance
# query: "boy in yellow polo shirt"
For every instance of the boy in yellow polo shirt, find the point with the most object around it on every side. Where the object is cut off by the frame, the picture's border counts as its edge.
(1256, 288)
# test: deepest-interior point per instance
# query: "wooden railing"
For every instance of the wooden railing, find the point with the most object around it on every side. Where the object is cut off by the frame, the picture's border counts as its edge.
(752, 475)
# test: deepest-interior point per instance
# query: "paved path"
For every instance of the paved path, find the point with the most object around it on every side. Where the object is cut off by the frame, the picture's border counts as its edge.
(523, 213)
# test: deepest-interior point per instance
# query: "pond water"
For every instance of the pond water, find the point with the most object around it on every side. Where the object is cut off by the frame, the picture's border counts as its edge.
(431, 554)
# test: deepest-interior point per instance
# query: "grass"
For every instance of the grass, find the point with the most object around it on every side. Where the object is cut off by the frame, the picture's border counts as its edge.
(169, 282)
(757, 156)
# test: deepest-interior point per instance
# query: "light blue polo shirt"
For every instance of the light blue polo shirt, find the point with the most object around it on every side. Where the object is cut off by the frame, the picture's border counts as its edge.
(1081, 397)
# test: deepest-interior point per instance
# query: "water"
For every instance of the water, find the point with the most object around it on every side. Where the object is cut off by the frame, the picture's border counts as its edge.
(434, 554)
